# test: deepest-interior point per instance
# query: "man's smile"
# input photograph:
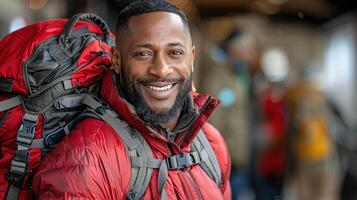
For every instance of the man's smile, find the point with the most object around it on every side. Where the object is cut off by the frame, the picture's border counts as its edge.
(160, 90)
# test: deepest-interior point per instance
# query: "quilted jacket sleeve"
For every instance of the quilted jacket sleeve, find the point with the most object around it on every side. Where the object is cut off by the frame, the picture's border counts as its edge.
(82, 166)
(220, 149)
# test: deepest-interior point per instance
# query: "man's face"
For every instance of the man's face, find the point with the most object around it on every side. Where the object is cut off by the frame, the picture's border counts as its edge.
(154, 60)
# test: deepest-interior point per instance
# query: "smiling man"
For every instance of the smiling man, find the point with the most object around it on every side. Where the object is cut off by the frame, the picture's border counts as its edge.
(153, 142)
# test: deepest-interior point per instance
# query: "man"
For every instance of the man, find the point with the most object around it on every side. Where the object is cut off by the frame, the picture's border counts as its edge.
(150, 90)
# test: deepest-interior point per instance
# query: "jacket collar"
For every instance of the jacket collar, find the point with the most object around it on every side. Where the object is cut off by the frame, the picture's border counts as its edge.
(188, 127)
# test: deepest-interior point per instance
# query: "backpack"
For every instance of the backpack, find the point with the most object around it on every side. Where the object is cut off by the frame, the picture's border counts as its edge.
(46, 69)
(140, 154)
(311, 137)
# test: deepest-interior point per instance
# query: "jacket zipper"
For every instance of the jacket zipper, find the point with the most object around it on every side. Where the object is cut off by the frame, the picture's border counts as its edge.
(193, 183)
(169, 145)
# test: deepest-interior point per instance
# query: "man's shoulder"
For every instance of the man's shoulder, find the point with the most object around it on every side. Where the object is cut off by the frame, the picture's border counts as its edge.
(213, 135)
(91, 135)
(83, 159)
(90, 140)
(91, 132)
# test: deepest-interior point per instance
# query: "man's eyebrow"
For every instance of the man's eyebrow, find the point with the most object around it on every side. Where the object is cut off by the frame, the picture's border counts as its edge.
(176, 44)
(143, 46)
(148, 45)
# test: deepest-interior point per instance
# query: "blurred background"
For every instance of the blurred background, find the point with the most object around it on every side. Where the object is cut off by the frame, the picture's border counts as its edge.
(286, 74)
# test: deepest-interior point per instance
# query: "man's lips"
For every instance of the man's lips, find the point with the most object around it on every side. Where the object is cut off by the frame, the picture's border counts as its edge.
(160, 90)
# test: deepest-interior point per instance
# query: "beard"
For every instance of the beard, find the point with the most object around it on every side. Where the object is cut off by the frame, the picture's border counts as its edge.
(131, 93)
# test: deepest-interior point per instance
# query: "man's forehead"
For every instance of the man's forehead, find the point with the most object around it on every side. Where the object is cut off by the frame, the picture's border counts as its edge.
(155, 18)
(155, 24)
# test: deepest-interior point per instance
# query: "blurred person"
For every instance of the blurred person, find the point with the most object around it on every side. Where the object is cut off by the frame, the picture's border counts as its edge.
(270, 158)
(150, 91)
(227, 75)
(313, 151)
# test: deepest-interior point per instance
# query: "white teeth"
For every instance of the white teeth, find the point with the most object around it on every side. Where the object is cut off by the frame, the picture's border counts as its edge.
(160, 88)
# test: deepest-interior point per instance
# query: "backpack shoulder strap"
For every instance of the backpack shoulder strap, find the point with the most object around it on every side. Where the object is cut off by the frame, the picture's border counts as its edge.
(139, 151)
(209, 160)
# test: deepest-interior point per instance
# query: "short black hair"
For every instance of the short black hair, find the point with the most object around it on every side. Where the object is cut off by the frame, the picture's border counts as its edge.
(139, 7)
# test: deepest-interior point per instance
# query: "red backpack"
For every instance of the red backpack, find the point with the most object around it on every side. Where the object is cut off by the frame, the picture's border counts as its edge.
(46, 70)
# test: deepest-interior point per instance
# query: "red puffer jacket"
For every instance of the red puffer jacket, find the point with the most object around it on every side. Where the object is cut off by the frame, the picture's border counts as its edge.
(92, 163)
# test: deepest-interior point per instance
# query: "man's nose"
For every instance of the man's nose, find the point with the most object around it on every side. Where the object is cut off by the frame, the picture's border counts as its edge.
(160, 67)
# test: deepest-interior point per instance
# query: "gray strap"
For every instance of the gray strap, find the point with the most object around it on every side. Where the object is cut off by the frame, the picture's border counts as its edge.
(145, 162)
(162, 178)
(134, 143)
(31, 117)
(118, 127)
(213, 165)
(9, 103)
(18, 167)
(37, 144)
(141, 175)
(13, 193)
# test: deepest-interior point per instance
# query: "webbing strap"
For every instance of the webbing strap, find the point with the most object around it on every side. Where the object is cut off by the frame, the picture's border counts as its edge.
(210, 165)
(24, 140)
(118, 127)
(9, 103)
(161, 180)
(134, 143)
(13, 193)
(145, 162)
(37, 144)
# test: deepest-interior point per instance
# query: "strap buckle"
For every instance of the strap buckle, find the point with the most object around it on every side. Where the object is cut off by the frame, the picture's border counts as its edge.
(181, 161)
(26, 131)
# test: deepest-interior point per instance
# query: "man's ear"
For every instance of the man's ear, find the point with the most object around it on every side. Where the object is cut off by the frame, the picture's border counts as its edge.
(116, 62)
(193, 52)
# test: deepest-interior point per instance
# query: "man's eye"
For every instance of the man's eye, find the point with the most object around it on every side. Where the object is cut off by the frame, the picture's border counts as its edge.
(177, 53)
(141, 54)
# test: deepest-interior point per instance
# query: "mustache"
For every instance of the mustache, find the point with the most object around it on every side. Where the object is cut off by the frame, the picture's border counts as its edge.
(155, 80)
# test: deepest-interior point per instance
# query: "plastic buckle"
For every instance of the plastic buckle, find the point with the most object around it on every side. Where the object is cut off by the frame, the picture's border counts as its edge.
(179, 161)
(130, 196)
(26, 132)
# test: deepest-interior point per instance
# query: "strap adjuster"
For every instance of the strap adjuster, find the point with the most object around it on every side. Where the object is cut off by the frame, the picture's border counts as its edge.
(15, 179)
(17, 172)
